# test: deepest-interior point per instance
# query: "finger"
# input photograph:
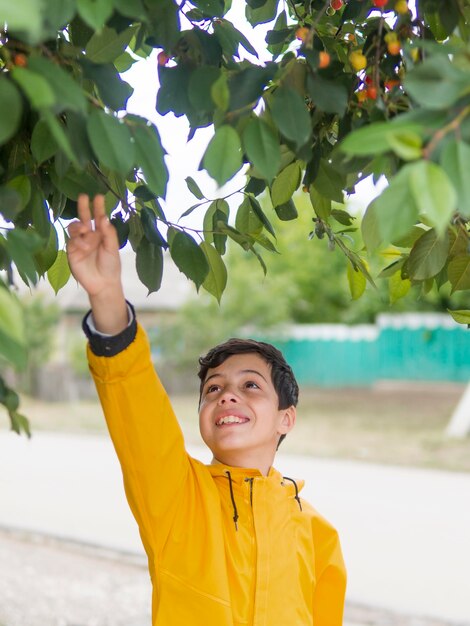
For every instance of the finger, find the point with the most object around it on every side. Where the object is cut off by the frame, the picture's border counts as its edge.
(99, 210)
(76, 229)
(108, 232)
(84, 213)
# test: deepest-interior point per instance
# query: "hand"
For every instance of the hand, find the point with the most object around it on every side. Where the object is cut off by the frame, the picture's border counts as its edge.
(93, 255)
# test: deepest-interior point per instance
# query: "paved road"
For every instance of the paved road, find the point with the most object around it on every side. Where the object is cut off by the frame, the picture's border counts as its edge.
(405, 532)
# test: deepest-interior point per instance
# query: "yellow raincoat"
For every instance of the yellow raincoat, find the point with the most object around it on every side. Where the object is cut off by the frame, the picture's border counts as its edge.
(226, 546)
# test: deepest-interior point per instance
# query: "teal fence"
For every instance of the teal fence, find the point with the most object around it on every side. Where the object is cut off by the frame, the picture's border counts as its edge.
(411, 347)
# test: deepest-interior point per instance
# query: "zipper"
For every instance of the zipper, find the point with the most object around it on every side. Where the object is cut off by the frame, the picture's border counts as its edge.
(250, 480)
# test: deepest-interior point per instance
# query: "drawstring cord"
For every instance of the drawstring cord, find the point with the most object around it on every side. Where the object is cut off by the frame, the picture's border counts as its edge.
(296, 490)
(235, 512)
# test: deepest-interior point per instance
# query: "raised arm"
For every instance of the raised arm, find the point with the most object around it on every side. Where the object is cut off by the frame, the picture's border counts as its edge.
(144, 430)
(93, 253)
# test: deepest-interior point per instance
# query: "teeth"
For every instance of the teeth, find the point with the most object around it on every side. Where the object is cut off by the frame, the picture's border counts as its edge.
(230, 419)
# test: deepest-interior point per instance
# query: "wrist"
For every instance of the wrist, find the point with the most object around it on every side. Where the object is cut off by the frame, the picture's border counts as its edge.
(109, 310)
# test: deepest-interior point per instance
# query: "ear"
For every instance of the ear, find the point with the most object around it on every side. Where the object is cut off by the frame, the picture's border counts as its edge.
(287, 422)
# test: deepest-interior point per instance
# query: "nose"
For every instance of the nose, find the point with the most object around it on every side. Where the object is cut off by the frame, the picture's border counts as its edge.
(227, 397)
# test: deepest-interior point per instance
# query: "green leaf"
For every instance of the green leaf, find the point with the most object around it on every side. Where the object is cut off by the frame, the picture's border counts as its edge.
(436, 83)
(46, 255)
(163, 17)
(357, 282)
(261, 215)
(265, 13)
(395, 209)
(433, 193)
(230, 39)
(124, 62)
(12, 108)
(95, 13)
(114, 91)
(210, 8)
(461, 316)
(68, 94)
(149, 225)
(149, 154)
(21, 246)
(190, 210)
(194, 188)
(398, 287)
(428, 255)
(200, 87)
(287, 211)
(43, 144)
(329, 182)
(11, 316)
(407, 145)
(248, 85)
(262, 148)
(280, 26)
(111, 141)
(455, 159)
(149, 264)
(216, 279)
(328, 95)
(247, 221)
(19, 423)
(130, 8)
(220, 92)
(105, 46)
(37, 89)
(376, 138)
(222, 158)
(285, 183)
(22, 186)
(291, 116)
(57, 131)
(320, 204)
(264, 241)
(59, 13)
(189, 258)
(218, 211)
(410, 238)
(24, 16)
(59, 272)
(343, 217)
(40, 213)
(459, 273)
(73, 184)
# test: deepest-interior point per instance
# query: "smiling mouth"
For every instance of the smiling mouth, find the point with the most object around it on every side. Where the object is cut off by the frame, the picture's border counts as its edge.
(231, 419)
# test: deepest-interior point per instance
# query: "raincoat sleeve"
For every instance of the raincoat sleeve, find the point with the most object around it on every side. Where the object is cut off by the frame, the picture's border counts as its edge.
(146, 436)
(330, 589)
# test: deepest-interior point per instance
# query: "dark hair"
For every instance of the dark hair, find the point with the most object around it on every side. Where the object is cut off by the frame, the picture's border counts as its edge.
(282, 376)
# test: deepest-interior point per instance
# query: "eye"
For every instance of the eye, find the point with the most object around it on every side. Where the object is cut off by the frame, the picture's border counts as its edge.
(212, 388)
(250, 384)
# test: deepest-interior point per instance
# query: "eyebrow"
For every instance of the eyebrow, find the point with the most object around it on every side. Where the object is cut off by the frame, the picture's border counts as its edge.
(241, 372)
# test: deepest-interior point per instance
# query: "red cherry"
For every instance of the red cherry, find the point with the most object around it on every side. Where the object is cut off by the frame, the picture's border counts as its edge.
(336, 4)
(372, 92)
(380, 3)
(162, 58)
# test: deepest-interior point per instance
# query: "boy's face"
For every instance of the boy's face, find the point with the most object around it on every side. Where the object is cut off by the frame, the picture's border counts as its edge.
(239, 418)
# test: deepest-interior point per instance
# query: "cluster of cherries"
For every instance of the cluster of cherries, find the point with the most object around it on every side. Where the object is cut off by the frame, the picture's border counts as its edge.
(401, 6)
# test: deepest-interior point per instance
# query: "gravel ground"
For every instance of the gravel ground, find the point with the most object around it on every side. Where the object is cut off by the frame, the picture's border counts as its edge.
(49, 582)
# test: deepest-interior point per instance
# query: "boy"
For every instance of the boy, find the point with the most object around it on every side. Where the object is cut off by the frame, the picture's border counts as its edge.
(228, 544)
